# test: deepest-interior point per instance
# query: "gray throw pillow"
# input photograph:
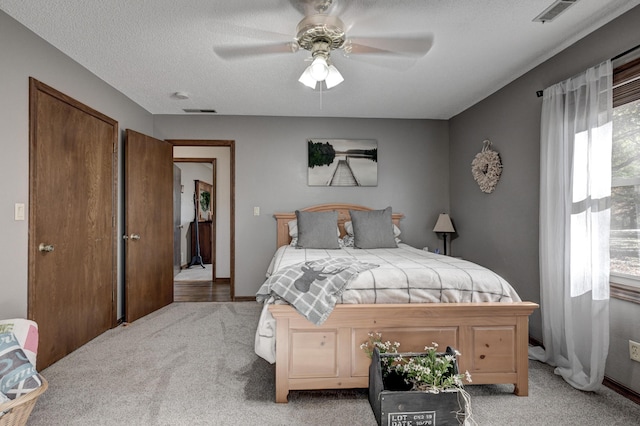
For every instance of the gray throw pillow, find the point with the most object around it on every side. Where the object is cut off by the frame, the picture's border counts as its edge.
(373, 229)
(317, 230)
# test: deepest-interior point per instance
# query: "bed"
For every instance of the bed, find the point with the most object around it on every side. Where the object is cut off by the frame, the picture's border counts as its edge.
(491, 335)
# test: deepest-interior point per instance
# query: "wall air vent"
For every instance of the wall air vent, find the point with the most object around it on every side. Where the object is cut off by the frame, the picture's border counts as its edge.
(554, 10)
(200, 111)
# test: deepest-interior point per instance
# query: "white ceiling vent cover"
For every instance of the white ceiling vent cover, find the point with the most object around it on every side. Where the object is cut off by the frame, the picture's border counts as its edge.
(554, 10)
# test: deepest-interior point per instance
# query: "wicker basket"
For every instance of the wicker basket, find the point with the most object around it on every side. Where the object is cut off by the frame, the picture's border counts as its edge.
(17, 411)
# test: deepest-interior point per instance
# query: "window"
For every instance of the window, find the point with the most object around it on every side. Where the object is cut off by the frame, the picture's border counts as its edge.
(625, 182)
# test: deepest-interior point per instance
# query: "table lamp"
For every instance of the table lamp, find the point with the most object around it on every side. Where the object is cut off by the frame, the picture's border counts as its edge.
(444, 226)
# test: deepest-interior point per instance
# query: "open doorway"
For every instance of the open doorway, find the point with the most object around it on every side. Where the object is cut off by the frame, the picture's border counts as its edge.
(195, 217)
(207, 166)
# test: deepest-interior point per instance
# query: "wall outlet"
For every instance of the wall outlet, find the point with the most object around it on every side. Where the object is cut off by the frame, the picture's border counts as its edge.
(634, 350)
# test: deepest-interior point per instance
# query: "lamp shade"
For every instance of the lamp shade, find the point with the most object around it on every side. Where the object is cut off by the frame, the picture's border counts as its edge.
(307, 79)
(319, 68)
(444, 224)
(333, 78)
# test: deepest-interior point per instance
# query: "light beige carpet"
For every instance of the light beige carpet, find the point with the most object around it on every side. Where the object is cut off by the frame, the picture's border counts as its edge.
(194, 364)
(195, 273)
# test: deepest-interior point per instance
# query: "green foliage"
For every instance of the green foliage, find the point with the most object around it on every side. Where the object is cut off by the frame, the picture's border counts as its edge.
(205, 201)
(373, 154)
(429, 371)
(625, 192)
(320, 154)
(625, 164)
(375, 341)
(625, 160)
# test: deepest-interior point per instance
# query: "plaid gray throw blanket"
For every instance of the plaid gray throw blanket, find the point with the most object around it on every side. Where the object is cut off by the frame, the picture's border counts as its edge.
(312, 287)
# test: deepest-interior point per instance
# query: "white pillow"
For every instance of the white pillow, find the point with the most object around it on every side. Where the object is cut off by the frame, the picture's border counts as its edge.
(293, 228)
(348, 226)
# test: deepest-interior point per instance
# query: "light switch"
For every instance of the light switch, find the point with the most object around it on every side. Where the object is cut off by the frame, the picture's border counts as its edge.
(256, 211)
(19, 211)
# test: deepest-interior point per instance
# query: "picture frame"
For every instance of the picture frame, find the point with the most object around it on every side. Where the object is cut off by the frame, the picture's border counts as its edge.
(204, 192)
(342, 162)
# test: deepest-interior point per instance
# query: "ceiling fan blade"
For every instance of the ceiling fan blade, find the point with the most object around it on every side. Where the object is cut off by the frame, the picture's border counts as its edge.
(271, 42)
(230, 29)
(248, 51)
(242, 8)
(411, 46)
(398, 63)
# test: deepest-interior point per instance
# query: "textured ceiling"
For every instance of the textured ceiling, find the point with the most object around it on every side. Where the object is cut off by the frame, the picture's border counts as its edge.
(149, 50)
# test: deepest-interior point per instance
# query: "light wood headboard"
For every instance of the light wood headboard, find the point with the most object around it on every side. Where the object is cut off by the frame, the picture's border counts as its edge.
(283, 219)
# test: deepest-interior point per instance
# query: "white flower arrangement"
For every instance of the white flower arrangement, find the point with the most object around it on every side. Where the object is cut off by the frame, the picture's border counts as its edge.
(429, 371)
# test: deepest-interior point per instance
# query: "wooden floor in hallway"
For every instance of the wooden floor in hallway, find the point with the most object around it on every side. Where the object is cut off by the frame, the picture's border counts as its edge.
(201, 291)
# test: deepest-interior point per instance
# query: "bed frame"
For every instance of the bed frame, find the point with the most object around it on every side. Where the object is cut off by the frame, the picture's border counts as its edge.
(491, 337)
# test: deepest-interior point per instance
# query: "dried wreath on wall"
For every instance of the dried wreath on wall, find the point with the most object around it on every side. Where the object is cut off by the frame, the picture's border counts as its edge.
(486, 168)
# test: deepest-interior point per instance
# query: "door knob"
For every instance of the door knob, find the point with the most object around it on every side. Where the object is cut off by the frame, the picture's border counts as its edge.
(135, 237)
(45, 247)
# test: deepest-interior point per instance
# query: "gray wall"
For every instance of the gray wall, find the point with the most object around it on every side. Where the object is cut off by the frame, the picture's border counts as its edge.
(500, 230)
(271, 173)
(421, 163)
(270, 162)
(24, 55)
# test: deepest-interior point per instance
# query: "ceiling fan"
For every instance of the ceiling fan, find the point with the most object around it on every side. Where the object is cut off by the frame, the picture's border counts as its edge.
(320, 32)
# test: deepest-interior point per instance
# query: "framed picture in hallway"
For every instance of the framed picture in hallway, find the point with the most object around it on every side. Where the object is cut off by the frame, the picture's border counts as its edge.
(342, 162)
(205, 200)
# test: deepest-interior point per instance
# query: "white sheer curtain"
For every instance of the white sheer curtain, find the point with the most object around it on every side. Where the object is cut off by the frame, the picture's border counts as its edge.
(575, 198)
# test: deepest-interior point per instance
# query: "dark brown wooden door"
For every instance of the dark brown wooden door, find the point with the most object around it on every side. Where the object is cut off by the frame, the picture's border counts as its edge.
(148, 224)
(72, 226)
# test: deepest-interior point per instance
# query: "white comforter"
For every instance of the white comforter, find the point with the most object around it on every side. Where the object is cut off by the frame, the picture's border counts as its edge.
(404, 275)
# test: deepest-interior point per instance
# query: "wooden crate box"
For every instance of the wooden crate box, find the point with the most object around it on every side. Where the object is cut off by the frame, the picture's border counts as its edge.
(394, 406)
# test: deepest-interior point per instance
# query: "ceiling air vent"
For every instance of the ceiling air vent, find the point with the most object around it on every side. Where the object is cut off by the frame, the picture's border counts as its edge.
(554, 10)
(200, 111)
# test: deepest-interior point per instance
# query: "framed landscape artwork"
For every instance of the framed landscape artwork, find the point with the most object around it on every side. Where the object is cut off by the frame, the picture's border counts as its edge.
(343, 162)
(204, 193)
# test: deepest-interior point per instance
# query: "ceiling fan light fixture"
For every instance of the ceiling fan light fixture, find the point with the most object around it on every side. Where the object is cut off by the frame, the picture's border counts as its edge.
(334, 77)
(319, 68)
(307, 79)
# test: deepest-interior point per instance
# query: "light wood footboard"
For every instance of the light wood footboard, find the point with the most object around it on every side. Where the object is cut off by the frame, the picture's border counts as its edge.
(491, 337)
